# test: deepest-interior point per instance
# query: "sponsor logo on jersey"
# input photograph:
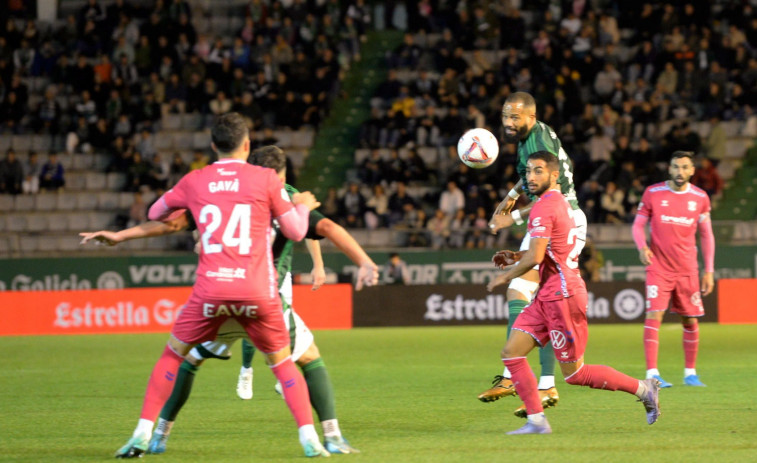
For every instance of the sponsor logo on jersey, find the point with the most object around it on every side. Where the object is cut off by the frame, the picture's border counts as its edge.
(676, 220)
(664, 203)
(229, 310)
(221, 171)
(558, 339)
(225, 273)
(692, 205)
(224, 185)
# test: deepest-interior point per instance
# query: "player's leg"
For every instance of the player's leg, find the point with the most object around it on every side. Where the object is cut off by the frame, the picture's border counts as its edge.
(687, 302)
(244, 382)
(518, 345)
(658, 297)
(229, 332)
(190, 327)
(270, 335)
(569, 333)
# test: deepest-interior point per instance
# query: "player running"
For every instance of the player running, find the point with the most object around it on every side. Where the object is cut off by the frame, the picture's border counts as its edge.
(675, 210)
(558, 311)
(304, 350)
(531, 135)
(233, 204)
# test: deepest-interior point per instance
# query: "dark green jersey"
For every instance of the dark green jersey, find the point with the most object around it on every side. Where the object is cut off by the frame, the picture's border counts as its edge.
(543, 138)
(283, 247)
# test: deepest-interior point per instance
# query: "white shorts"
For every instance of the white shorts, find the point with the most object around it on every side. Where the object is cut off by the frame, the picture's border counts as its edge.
(301, 337)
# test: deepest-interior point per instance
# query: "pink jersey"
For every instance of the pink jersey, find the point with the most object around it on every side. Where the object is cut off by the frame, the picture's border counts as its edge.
(674, 217)
(232, 203)
(552, 218)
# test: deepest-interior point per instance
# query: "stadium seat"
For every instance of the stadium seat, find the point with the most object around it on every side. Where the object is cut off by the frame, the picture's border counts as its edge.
(83, 161)
(116, 181)
(5, 246)
(100, 220)
(15, 222)
(23, 203)
(135, 245)
(47, 243)
(191, 121)
(29, 244)
(46, 202)
(76, 181)
(171, 122)
(66, 201)
(5, 143)
(86, 201)
(101, 161)
(70, 243)
(125, 199)
(41, 143)
(6, 203)
(201, 140)
(108, 201)
(96, 181)
(57, 222)
(164, 141)
(157, 243)
(78, 221)
(21, 142)
(184, 141)
(36, 222)
(2, 223)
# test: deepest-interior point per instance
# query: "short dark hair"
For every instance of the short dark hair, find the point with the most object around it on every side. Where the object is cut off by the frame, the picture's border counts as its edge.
(229, 132)
(521, 97)
(682, 154)
(549, 158)
(270, 156)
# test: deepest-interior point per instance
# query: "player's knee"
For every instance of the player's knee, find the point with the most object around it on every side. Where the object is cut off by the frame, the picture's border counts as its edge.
(576, 378)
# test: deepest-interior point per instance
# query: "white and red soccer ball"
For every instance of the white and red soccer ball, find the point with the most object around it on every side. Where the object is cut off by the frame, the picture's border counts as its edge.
(478, 148)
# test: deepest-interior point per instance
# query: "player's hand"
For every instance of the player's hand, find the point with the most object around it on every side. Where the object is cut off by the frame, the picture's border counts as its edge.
(319, 277)
(499, 221)
(505, 257)
(646, 256)
(306, 198)
(105, 237)
(708, 283)
(498, 281)
(367, 275)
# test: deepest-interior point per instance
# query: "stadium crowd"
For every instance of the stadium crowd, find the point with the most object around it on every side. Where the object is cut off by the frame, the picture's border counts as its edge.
(620, 84)
(103, 80)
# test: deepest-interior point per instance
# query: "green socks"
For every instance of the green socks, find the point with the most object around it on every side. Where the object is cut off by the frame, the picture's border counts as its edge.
(181, 390)
(248, 350)
(514, 308)
(321, 391)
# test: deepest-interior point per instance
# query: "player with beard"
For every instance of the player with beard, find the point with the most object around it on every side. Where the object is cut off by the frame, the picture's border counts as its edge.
(558, 311)
(675, 210)
(530, 135)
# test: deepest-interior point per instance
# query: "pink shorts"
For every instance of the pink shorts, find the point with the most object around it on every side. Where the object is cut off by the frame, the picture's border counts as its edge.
(263, 321)
(680, 292)
(562, 321)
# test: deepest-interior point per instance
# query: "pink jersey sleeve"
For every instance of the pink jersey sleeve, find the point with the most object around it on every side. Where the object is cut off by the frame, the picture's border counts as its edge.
(638, 231)
(278, 197)
(645, 206)
(170, 205)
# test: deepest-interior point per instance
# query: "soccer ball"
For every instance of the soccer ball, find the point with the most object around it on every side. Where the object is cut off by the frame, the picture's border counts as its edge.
(478, 148)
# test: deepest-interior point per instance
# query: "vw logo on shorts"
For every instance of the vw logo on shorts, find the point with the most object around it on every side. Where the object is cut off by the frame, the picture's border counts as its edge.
(696, 299)
(628, 304)
(558, 339)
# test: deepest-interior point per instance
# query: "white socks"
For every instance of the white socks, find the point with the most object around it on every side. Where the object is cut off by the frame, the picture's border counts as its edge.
(331, 428)
(307, 433)
(537, 418)
(144, 428)
(652, 372)
(689, 372)
(546, 382)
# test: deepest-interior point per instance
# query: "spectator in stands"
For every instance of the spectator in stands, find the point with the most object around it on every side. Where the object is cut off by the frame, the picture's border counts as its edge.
(590, 261)
(452, 199)
(176, 95)
(353, 206)
(137, 211)
(330, 205)
(371, 170)
(12, 111)
(138, 173)
(459, 227)
(715, 143)
(145, 144)
(611, 204)
(399, 203)
(32, 171)
(199, 160)
(52, 177)
(160, 171)
(396, 271)
(11, 174)
(377, 208)
(177, 170)
(707, 178)
(438, 228)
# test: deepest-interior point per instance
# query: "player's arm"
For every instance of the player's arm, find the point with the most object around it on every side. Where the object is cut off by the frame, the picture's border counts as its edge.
(506, 257)
(368, 270)
(537, 249)
(517, 217)
(638, 230)
(144, 230)
(318, 273)
(508, 203)
(708, 253)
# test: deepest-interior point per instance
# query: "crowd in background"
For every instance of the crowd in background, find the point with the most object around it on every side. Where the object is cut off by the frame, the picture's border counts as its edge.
(112, 73)
(620, 82)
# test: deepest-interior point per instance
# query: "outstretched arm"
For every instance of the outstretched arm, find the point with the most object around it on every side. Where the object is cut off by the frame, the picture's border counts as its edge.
(368, 273)
(537, 248)
(144, 230)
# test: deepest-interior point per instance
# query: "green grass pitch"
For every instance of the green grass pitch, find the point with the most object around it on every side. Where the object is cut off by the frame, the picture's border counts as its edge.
(403, 395)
